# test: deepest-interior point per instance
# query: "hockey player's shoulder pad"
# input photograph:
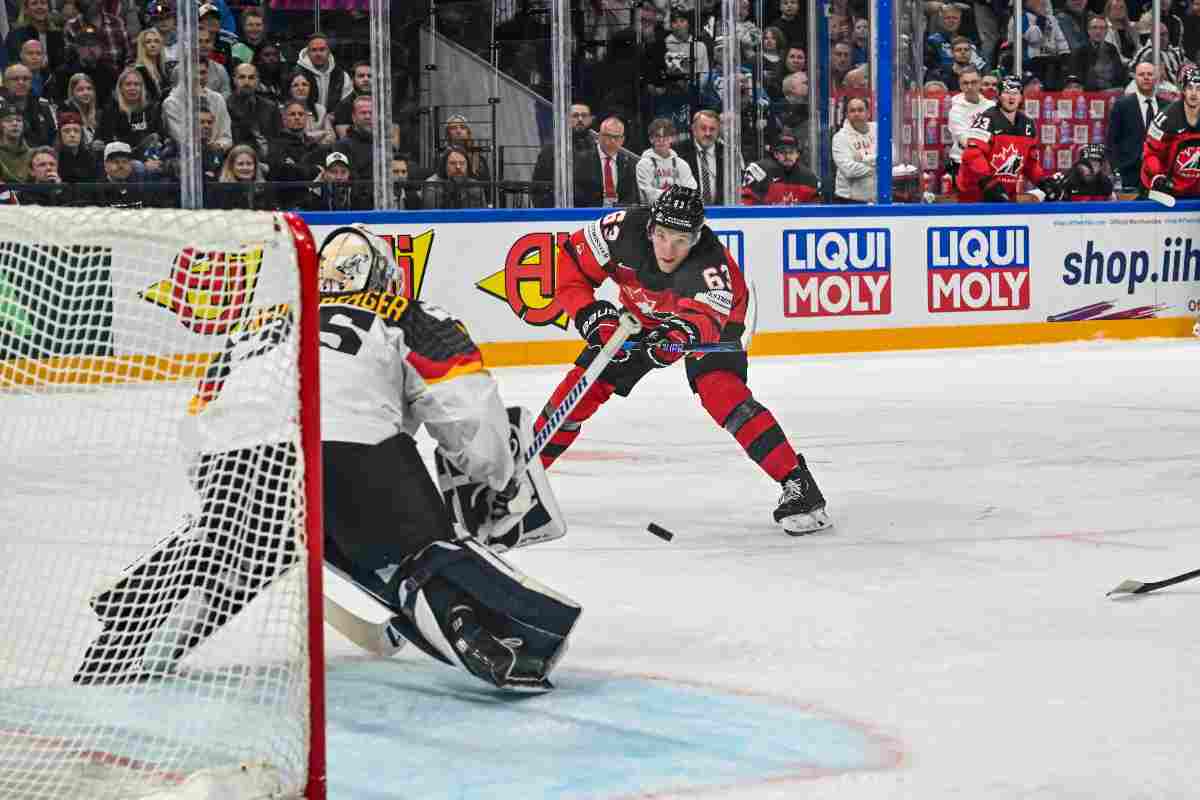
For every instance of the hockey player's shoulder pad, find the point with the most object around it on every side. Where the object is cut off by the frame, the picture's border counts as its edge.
(599, 235)
(439, 346)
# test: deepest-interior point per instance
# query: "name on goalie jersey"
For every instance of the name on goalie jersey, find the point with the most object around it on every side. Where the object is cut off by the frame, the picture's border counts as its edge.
(837, 272)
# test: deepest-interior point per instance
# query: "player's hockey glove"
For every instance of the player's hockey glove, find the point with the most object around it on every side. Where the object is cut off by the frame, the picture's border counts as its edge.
(668, 343)
(597, 322)
(993, 190)
(1052, 188)
(1162, 183)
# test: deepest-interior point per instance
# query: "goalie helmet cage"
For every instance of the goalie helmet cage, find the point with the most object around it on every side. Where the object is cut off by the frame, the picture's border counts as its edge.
(160, 512)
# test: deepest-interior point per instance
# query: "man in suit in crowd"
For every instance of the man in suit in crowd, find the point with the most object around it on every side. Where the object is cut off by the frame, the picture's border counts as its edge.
(606, 175)
(1127, 124)
(706, 156)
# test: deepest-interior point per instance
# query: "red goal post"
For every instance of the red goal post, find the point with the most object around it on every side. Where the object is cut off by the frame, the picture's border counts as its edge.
(161, 626)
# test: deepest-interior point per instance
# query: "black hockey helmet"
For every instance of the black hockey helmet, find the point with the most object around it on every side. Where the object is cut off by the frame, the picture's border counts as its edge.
(679, 208)
(352, 259)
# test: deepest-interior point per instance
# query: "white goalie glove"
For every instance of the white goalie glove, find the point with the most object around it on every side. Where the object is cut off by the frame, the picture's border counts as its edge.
(524, 512)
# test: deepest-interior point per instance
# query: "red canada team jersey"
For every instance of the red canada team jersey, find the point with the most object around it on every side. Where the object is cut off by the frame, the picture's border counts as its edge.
(1172, 148)
(996, 146)
(707, 288)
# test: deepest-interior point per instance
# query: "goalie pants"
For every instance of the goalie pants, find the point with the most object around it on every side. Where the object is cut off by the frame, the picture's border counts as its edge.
(381, 506)
(719, 379)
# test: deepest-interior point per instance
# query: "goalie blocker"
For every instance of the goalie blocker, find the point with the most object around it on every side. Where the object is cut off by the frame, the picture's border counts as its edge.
(526, 514)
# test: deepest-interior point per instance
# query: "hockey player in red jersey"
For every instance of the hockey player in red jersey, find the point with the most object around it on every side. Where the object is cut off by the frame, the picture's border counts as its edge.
(677, 278)
(780, 179)
(1002, 147)
(1171, 152)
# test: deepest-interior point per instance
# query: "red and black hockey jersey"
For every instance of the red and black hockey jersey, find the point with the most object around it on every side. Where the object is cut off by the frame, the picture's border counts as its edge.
(1172, 148)
(769, 183)
(997, 146)
(707, 288)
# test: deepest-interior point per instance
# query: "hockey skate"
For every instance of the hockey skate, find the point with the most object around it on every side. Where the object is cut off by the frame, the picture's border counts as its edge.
(500, 662)
(802, 506)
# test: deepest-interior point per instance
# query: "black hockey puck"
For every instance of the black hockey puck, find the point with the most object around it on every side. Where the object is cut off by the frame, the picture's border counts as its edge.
(660, 532)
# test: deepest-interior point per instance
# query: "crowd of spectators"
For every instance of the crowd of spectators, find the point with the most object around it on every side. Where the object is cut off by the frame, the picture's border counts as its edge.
(90, 93)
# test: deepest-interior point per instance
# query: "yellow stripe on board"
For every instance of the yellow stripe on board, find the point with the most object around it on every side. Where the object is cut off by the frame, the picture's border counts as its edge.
(90, 370)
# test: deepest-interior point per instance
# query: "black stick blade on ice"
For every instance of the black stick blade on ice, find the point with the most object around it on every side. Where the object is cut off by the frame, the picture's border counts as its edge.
(1141, 587)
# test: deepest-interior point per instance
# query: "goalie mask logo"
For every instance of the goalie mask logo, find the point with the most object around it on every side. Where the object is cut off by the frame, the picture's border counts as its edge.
(209, 291)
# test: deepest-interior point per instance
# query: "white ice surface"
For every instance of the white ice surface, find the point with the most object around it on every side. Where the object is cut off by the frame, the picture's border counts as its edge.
(984, 502)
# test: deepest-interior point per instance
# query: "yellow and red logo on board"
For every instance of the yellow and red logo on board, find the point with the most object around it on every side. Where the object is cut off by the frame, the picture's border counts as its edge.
(527, 282)
(412, 254)
(209, 291)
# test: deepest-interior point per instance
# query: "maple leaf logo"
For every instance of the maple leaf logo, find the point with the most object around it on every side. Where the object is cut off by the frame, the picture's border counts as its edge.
(1007, 161)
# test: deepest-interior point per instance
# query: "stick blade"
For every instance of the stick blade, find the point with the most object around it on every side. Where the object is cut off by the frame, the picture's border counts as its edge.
(1162, 198)
(1127, 587)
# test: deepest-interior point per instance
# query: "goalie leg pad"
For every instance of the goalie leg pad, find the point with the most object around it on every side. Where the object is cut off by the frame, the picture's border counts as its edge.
(464, 605)
(531, 517)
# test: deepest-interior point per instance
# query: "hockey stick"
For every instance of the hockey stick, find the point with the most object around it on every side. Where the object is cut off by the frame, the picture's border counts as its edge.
(374, 636)
(743, 343)
(1162, 198)
(1141, 587)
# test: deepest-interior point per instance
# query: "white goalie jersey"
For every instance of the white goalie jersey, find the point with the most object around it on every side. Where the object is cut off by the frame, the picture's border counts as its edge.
(390, 365)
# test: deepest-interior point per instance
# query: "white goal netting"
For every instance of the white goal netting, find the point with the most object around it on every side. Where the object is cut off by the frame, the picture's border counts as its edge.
(154, 613)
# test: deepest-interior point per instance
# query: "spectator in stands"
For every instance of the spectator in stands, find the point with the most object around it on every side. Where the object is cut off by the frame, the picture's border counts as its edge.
(173, 111)
(221, 44)
(793, 112)
(130, 118)
(77, 162)
(965, 108)
(1128, 122)
(150, 64)
(1045, 45)
(218, 76)
(46, 187)
(774, 46)
(1171, 58)
(331, 85)
(120, 187)
(793, 24)
(854, 151)
(660, 167)
(33, 56)
(989, 85)
(451, 187)
(271, 73)
(40, 128)
(748, 34)
(35, 23)
(242, 182)
(861, 41)
(686, 56)
(14, 151)
(840, 29)
(1072, 20)
(839, 64)
(458, 131)
(293, 157)
(115, 45)
(320, 125)
(1121, 32)
(358, 144)
(84, 58)
(82, 100)
(160, 15)
(939, 45)
(606, 175)
(253, 117)
(1098, 62)
(407, 196)
(1190, 40)
(580, 123)
(254, 35)
(360, 74)
(781, 179)
(212, 157)
(706, 156)
(962, 61)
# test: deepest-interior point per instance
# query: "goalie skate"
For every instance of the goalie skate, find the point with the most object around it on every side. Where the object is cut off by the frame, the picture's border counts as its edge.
(801, 508)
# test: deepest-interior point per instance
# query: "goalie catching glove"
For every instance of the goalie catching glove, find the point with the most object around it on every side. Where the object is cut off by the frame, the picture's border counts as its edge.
(668, 343)
(522, 513)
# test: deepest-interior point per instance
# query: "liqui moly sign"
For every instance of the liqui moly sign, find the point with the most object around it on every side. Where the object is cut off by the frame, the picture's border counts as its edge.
(837, 272)
(978, 268)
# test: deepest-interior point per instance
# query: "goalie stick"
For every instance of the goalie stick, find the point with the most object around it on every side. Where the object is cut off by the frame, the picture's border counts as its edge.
(1141, 587)
(376, 637)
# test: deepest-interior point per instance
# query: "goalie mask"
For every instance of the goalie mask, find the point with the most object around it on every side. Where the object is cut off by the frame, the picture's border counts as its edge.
(353, 259)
